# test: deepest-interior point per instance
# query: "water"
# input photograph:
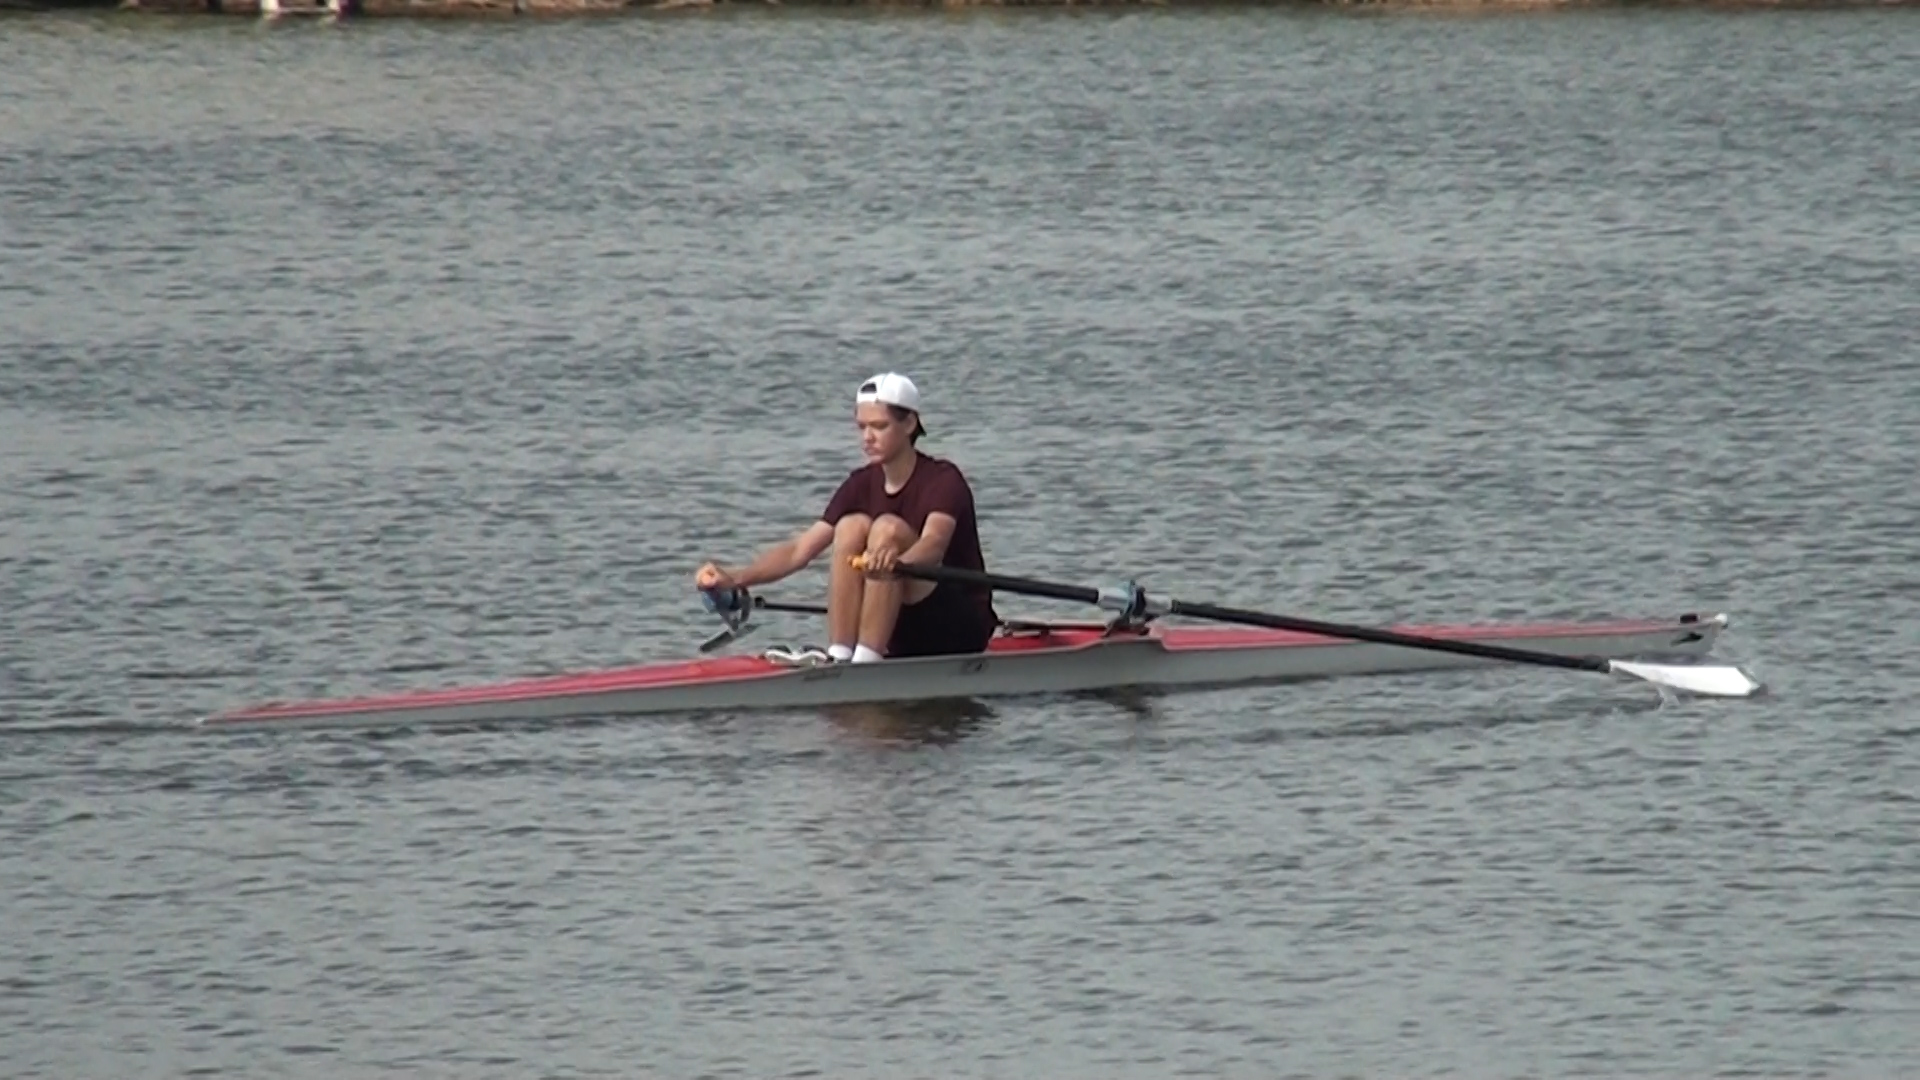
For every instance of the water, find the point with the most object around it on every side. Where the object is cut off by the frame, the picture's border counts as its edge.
(383, 355)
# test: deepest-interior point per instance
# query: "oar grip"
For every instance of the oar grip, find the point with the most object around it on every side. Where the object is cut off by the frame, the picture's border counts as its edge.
(861, 563)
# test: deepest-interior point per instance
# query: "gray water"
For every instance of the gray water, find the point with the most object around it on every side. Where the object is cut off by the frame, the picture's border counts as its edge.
(386, 355)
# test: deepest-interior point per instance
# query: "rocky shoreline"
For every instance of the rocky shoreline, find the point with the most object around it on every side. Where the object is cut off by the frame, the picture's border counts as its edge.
(518, 8)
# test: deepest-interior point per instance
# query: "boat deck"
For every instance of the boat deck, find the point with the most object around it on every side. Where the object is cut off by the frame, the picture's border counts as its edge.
(1043, 657)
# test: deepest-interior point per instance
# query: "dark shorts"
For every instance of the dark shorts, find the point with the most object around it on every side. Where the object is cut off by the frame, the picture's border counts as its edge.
(948, 621)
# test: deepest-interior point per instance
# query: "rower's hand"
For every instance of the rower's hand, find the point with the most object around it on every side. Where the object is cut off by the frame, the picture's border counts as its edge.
(880, 562)
(711, 577)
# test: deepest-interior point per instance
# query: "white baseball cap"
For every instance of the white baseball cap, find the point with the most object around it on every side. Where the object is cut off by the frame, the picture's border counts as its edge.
(890, 389)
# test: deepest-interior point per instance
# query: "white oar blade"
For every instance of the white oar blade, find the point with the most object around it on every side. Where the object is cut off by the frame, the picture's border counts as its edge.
(1711, 680)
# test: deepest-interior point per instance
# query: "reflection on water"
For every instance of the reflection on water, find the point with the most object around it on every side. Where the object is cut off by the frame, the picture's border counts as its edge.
(932, 722)
(1140, 703)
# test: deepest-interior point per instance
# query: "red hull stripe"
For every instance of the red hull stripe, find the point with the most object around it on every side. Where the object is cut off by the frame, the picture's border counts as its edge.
(747, 668)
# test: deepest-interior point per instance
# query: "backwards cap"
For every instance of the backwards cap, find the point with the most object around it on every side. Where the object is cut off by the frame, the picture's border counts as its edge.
(892, 389)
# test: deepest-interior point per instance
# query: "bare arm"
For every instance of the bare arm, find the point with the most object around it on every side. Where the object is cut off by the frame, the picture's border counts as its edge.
(931, 548)
(786, 557)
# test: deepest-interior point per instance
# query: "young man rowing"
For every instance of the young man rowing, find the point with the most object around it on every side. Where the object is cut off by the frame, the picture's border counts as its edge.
(902, 506)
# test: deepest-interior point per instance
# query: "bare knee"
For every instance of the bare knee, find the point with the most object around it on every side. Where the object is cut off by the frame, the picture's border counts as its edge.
(892, 532)
(850, 533)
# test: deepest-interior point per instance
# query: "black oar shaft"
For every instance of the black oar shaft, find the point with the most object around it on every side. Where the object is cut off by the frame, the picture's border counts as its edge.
(781, 605)
(961, 576)
(1383, 637)
(1004, 583)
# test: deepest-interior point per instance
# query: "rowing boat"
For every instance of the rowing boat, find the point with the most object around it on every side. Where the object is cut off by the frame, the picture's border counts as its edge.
(1024, 658)
(1131, 650)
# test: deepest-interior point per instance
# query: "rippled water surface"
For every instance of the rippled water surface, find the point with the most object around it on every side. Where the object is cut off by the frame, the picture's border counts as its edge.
(388, 355)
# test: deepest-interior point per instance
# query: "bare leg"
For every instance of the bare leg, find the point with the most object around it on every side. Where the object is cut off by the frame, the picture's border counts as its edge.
(880, 606)
(846, 586)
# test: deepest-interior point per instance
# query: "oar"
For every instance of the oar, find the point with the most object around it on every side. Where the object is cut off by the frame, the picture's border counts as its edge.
(1714, 680)
(761, 603)
(727, 603)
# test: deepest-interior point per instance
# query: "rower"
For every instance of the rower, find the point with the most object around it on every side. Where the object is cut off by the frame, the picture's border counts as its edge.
(903, 505)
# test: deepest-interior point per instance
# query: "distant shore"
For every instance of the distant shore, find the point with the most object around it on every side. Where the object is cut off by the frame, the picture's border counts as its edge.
(562, 8)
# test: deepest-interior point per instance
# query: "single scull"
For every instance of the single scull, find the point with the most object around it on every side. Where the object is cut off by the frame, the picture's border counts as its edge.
(1025, 658)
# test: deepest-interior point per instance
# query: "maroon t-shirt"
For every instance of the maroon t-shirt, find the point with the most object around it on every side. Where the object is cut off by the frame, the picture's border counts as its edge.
(935, 486)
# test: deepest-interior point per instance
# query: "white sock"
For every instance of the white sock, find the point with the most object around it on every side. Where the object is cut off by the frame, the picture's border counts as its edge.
(840, 652)
(864, 655)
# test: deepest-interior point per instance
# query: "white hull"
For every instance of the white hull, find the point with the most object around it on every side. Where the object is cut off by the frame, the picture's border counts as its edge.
(1066, 661)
